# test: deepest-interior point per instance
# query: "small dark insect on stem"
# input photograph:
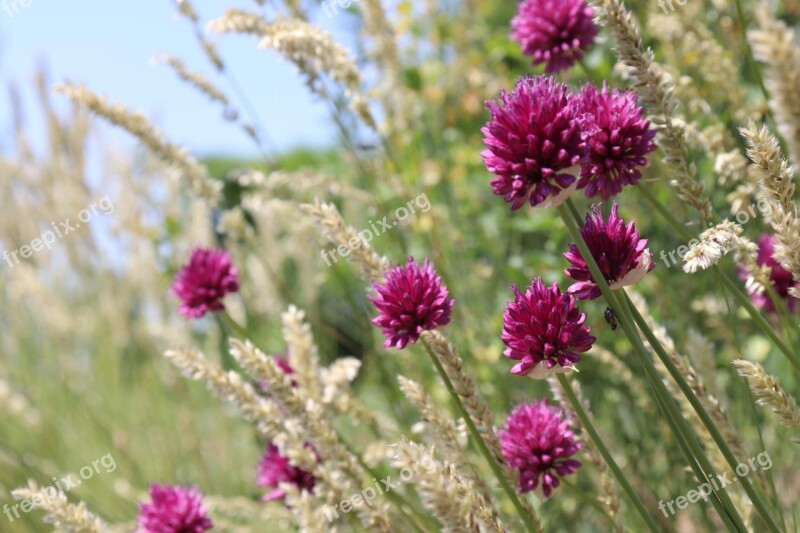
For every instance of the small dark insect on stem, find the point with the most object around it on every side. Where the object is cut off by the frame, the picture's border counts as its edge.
(611, 318)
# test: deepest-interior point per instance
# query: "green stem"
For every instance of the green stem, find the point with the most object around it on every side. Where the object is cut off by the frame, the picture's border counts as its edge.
(484, 449)
(396, 498)
(702, 467)
(679, 378)
(601, 447)
(677, 423)
(751, 61)
(589, 500)
(238, 330)
(741, 297)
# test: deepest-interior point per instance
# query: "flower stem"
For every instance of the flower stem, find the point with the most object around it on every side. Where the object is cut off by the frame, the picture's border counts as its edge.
(238, 330)
(750, 489)
(676, 422)
(751, 61)
(601, 447)
(484, 449)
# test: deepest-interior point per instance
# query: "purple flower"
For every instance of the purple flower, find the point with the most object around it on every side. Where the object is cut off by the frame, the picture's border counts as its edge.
(534, 143)
(411, 300)
(173, 510)
(781, 278)
(275, 469)
(622, 256)
(544, 331)
(619, 138)
(204, 281)
(537, 441)
(556, 32)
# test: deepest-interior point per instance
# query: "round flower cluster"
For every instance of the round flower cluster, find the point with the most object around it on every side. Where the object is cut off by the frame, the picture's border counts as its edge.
(275, 469)
(780, 278)
(204, 281)
(173, 510)
(544, 141)
(622, 256)
(544, 331)
(412, 299)
(538, 442)
(554, 32)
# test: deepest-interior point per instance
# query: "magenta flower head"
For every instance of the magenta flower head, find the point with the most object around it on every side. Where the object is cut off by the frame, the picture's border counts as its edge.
(555, 32)
(619, 139)
(275, 469)
(544, 331)
(173, 510)
(534, 143)
(204, 281)
(782, 280)
(537, 441)
(622, 256)
(412, 299)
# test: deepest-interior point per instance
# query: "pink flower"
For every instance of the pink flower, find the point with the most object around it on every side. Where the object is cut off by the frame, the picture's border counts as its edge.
(204, 281)
(537, 441)
(544, 330)
(173, 510)
(534, 143)
(275, 469)
(556, 32)
(622, 256)
(781, 278)
(411, 299)
(619, 138)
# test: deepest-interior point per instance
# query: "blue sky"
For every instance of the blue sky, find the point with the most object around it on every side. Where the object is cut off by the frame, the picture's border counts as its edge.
(109, 46)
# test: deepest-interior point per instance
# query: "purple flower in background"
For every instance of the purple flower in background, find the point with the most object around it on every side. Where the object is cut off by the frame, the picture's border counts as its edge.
(622, 256)
(203, 282)
(555, 32)
(619, 138)
(544, 331)
(537, 441)
(534, 143)
(275, 469)
(781, 278)
(411, 299)
(173, 510)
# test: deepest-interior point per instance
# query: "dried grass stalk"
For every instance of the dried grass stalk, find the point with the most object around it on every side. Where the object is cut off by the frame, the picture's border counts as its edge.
(776, 183)
(775, 45)
(768, 391)
(656, 88)
(451, 497)
(186, 166)
(65, 516)
(327, 216)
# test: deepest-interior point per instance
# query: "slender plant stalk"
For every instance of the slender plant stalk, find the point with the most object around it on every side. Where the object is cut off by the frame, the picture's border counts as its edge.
(238, 330)
(751, 490)
(687, 440)
(588, 500)
(601, 447)
(737, 293)
(396, 498)
(677, 424)
(512, 494)
(751, 60)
